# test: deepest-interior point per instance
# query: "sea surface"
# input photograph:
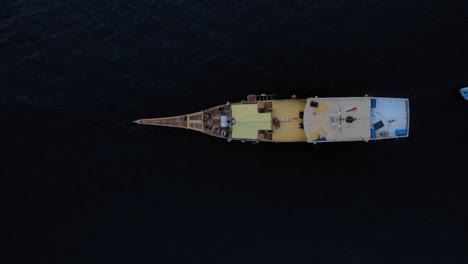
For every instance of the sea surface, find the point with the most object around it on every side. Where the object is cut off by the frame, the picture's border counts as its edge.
(81, 183)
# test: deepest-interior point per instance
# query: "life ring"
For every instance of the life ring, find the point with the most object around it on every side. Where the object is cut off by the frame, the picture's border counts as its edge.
(293, 96)
(223, 132)
(215, 129)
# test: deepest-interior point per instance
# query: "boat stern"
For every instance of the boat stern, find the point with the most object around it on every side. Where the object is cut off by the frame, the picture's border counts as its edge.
(355, 119)
(389, 118)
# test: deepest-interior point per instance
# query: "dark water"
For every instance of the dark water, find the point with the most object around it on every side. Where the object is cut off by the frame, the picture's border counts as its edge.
(81, 183)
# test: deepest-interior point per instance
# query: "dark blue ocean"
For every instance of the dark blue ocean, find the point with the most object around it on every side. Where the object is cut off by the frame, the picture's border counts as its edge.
(81, 183)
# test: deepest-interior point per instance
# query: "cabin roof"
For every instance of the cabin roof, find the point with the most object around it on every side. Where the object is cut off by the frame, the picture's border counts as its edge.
(325, 119)
(249, 121)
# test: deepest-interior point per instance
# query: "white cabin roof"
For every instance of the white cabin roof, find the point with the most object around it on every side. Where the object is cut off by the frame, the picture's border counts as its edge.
(355, 118)
(337, 119)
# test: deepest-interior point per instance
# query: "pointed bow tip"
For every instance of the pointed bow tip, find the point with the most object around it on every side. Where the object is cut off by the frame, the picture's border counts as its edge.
(137, 121)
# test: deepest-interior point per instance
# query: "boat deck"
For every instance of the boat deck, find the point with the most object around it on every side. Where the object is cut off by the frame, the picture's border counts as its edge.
(287, 120)
(211, 123)
(207, 121)
(389, 118)
(337, 119)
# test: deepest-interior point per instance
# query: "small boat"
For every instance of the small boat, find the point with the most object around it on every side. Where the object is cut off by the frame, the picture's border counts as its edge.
(262, 118)
(464, 92)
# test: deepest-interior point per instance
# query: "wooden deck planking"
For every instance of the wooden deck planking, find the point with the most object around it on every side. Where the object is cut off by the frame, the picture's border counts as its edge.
(287, 112)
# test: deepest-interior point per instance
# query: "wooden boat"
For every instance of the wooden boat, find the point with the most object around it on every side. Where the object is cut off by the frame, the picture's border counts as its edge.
(262, 118)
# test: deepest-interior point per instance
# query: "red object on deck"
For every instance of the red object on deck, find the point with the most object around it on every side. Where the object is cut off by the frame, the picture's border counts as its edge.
(293, 96)
(352, 109)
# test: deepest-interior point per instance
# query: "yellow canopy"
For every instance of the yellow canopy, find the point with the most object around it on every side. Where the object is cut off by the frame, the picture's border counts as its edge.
(249, 121)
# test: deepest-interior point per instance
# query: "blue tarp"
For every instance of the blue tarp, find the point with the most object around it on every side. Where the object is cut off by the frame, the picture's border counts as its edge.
(401, 132)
